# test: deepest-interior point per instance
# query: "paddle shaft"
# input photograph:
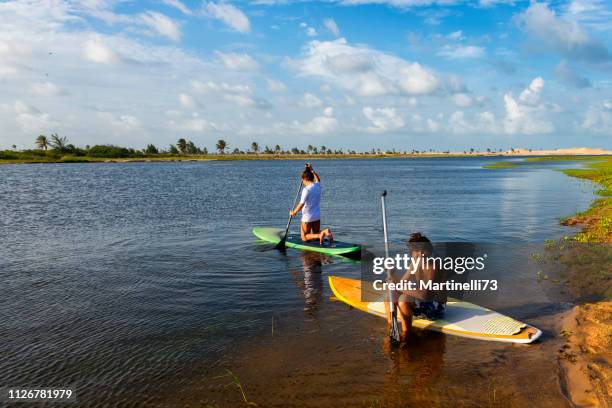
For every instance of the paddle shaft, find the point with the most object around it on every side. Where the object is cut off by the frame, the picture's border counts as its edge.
(297, 195)
(394, 324)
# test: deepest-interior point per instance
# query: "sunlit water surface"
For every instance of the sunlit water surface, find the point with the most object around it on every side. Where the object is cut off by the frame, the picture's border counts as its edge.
(140, 284)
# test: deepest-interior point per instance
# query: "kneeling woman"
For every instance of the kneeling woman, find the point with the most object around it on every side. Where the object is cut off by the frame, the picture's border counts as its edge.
(310, 205)
(419, 303)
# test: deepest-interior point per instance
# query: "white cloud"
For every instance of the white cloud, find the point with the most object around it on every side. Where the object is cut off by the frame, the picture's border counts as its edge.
(311, 32)
(162, 25)
(310, 101)
(46, 88)
(598, 118)
(323, 124)
(193, 123)
(97, 51)
(560, 35)
(177, 4)
(595, 14)
(223, 87)
(525, 115)
(188, 102)
(456, 36)
(238, 62)
(276, 86)
(382, 119)
(231, 15)
(531, 94)
(463, 100)
(31, 120)
(331, 25)
(121, 122)
(240, 95)
(461, 51)
(365, 71)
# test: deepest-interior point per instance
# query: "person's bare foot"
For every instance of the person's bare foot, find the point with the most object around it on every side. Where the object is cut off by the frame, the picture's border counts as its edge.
(326, 233)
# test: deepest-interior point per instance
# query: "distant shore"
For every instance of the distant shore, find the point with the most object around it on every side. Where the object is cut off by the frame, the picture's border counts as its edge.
(25, 157)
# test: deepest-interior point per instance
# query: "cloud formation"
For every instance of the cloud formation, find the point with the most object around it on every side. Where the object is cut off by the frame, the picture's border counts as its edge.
(365, 71)
(230, 15)
(563, 36)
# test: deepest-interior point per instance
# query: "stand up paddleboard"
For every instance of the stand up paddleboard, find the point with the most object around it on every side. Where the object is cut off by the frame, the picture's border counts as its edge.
(462, 319)
(274, 236)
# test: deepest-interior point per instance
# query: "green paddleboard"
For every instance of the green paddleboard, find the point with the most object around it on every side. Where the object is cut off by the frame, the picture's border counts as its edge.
(274, 235)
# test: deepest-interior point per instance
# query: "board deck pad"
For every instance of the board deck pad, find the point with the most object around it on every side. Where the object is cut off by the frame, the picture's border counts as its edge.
(460, 318)
(273, 235)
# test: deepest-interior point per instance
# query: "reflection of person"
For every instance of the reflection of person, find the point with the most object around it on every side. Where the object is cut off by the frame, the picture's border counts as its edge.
(420, 303)
(310, 205)
(312, 283)
(420, 360)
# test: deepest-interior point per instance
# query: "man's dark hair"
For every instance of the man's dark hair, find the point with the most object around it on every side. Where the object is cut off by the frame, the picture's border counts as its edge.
(419, 242)
(307, 175)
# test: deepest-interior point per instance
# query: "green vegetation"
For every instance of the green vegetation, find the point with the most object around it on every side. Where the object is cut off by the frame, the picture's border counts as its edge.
(57, 149)
(598, 218)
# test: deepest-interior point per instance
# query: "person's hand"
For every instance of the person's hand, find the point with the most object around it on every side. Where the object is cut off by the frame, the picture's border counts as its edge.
(291, 213)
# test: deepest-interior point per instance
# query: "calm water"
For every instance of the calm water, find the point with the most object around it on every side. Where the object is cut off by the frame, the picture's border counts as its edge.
(140, 284)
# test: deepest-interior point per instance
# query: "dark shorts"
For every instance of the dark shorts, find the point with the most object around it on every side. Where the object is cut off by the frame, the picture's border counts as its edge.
(422, 309)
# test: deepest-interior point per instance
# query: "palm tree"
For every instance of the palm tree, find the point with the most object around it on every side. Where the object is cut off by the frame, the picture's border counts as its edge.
(221, 146)
(323, 149)
(192, 148)
(255, 147)
(58, 143)
(310, 148)
(182, 145)
(151, 149)
(277, 149)
(42, 142)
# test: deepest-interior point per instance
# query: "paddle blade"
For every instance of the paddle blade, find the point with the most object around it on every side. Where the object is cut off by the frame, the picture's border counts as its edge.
(281, 245)
(394, 332)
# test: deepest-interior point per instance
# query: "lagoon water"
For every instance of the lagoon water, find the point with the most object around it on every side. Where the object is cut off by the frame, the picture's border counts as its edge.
(140, 284)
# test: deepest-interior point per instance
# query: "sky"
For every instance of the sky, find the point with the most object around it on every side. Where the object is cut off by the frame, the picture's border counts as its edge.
(352, 74)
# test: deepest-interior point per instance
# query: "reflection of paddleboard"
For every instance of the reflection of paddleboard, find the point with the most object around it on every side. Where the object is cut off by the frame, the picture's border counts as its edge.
(460, 318)
(274, 235)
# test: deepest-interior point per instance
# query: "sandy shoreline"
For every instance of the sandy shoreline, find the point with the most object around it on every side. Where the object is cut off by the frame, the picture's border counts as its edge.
(586, 356)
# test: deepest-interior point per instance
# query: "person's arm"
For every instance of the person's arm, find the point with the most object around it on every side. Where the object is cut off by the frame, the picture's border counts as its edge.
(296, 209)
(317, 179)
(299, 207)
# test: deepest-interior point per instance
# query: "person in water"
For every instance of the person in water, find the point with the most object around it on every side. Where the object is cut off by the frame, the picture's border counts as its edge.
(310, 206)
(419, 303)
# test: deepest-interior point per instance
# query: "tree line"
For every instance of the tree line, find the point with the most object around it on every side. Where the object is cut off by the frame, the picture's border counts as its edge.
(54, 145)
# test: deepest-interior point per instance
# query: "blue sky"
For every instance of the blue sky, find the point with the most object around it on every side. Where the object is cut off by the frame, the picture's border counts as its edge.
(351, 73)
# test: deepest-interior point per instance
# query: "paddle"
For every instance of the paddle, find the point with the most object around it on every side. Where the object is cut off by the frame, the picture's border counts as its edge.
(394, 332)
(281, 244)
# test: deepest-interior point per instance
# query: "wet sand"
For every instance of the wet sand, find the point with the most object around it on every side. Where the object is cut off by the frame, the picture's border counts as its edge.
(586, 356)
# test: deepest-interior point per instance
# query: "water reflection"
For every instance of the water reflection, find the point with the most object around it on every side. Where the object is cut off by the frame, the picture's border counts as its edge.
(310, 278)
(416, 364)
